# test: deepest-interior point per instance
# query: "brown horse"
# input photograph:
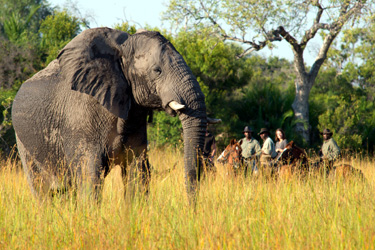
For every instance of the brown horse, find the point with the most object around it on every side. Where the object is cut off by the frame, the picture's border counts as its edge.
(293, 155)
(232, 154)
(294, 158)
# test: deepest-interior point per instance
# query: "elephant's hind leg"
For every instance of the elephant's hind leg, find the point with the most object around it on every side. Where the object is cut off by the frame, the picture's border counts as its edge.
(90, 174)
(39, 182)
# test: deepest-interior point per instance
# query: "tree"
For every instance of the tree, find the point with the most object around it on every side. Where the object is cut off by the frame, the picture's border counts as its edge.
(126, 27)
(21, 18)
(16, 63)
(57, 30)
(7, 138)
(19, 39)
(348, 121)
(253, 23)
(358, 46)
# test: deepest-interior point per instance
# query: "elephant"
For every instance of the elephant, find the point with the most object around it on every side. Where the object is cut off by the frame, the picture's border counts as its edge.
(88, 109)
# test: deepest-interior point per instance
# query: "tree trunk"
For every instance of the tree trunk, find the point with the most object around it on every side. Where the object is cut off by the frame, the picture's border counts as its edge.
(301, 106)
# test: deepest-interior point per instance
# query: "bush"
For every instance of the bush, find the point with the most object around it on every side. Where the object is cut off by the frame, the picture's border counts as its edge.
(349, 122)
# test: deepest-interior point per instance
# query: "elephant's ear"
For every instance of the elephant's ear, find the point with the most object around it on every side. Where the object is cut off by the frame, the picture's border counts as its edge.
(91, 63)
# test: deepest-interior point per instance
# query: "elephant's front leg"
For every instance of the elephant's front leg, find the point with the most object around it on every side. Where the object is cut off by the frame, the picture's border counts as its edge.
(136, 172)
(133, 154)
(143, 169)
(136, 168)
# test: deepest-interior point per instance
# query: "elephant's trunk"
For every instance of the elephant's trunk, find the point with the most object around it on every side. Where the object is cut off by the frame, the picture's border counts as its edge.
(193, 145)
(194, 123)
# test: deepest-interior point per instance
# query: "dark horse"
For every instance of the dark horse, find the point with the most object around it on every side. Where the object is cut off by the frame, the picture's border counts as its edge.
(294, 158)
(293, 155)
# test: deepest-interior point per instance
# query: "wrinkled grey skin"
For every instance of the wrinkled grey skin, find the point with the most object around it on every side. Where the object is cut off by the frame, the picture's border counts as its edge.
(91, 104)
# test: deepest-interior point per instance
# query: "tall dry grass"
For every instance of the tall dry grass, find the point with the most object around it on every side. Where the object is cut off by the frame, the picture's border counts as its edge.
(230, 213)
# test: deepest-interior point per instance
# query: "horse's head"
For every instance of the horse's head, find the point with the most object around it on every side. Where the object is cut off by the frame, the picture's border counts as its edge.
(232, 153)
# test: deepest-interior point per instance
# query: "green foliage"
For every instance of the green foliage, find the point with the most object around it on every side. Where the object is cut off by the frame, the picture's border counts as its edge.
(214, 64)
(30, 34)
(361, 56)
(19, 22)
(7, 137)
(347, 122)
(22, 17)
(212, 60)
(17, 63)
(241, 90)
(57, 30)
(126, 27)
(344, 108)
(254, 24)
(265, 101)
(165, 130)
(16, 26)
(263, 104)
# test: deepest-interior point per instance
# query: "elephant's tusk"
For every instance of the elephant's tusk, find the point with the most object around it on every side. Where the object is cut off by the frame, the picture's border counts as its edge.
(213, 120)
(176, 106)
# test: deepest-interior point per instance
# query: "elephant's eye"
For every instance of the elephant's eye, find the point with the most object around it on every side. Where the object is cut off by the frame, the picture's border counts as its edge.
(157, 70)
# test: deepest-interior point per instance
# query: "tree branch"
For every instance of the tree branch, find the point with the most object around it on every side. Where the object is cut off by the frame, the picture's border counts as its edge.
(246, 52)
(253, 45)
(309, 34)
(346, 15)
(289, 38)
(208, 16)
(334, 30)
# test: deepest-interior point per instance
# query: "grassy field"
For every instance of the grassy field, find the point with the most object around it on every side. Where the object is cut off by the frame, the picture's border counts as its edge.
(231, 212)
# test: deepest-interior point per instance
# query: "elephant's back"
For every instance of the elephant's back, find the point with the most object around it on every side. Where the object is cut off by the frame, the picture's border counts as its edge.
(30, 110)
(34, 95)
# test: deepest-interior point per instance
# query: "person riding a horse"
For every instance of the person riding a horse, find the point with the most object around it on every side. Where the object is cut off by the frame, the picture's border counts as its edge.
(268, 152)
(250, 147)
(330, 151)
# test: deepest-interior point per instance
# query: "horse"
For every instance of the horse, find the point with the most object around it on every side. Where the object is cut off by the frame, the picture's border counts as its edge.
(294, 158)
(232, 155)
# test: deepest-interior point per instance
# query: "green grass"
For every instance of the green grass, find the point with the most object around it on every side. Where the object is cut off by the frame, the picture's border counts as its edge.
(231, 212)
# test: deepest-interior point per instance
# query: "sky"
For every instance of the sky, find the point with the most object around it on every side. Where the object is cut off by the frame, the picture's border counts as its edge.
(142, 12)
(110, 12)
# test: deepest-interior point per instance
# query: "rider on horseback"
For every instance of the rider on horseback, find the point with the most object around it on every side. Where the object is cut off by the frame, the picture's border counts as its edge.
(330, 150)
(250, 147)
(268, 152)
